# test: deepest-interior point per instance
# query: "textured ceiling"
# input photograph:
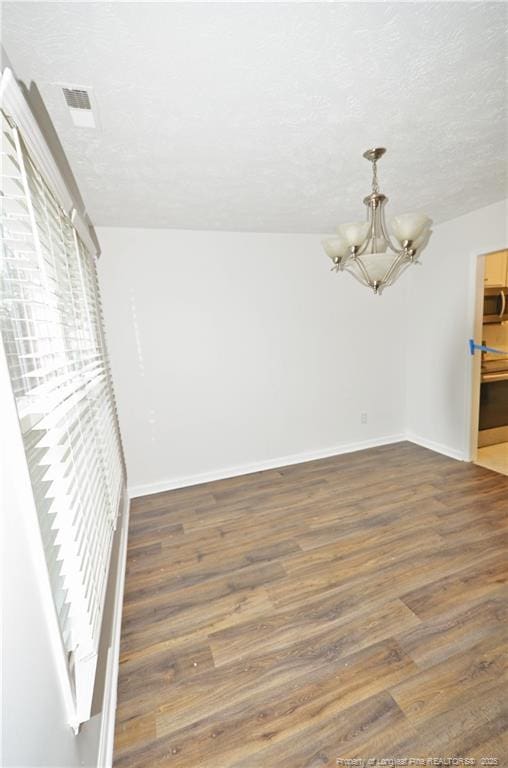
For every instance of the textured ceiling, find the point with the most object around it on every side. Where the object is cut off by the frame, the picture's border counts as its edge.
(254, 116)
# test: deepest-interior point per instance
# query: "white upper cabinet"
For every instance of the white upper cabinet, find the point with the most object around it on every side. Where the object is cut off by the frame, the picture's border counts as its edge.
(496, 269)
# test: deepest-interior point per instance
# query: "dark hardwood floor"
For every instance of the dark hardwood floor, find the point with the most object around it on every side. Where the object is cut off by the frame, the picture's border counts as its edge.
(353, 607)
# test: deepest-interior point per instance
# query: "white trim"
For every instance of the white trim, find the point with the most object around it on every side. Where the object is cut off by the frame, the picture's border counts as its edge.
(107, 732)
(453, 453)
(259, 466)
(15, 105)
(472, 379)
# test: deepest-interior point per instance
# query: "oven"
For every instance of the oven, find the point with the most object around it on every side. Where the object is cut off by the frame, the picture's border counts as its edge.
(493, 402)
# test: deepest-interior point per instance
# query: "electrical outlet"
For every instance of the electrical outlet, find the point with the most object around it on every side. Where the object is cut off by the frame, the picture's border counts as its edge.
(363, 417)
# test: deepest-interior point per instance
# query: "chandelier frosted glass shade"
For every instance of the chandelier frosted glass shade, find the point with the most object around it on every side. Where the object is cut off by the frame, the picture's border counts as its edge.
(366, 248)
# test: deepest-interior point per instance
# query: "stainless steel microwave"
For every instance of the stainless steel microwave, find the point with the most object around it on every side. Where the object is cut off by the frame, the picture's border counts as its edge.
(495, 305)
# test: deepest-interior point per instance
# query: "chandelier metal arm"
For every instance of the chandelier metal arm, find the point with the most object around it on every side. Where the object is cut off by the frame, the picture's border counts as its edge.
(363, 282)
(370, 235)
(386, 235)
(351, 253)
(364, 272)
(394, 269)
(404, 265)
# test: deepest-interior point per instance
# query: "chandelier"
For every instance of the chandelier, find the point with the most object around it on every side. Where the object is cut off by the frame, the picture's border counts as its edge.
(366, 249)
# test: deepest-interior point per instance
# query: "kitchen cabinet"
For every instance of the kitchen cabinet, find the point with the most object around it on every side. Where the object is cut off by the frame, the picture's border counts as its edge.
(496, 269)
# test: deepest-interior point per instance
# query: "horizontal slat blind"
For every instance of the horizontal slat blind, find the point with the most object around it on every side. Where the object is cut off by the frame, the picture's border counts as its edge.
(52, 331)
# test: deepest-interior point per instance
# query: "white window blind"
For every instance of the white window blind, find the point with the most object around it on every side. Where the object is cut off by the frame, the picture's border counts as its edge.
(52, 331)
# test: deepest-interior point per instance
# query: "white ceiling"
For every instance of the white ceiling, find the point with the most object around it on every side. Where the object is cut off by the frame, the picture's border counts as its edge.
(254, 116)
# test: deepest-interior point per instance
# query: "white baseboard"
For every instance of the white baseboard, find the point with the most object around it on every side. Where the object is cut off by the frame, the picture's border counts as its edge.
(107, 731)
(453, 453)
(259, 466)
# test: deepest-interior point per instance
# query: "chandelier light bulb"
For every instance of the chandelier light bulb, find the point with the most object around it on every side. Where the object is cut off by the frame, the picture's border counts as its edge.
(365, 249)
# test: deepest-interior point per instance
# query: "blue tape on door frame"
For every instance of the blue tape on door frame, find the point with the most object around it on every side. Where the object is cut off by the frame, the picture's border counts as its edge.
(473, 347)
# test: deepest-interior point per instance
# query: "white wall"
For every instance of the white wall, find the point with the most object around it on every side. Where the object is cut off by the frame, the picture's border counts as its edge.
(440, 322)
(233, 349)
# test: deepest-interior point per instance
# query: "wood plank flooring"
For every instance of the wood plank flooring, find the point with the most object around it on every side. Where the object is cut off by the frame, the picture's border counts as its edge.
(353, 607)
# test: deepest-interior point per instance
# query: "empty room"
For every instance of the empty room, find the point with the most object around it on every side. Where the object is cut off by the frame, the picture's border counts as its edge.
(254, 384)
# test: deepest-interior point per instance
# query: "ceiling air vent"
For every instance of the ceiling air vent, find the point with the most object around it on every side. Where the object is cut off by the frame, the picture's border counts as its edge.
(77, 98)
(80, 106)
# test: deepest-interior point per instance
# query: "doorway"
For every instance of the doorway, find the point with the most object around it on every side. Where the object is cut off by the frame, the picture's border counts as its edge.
(489, 434)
